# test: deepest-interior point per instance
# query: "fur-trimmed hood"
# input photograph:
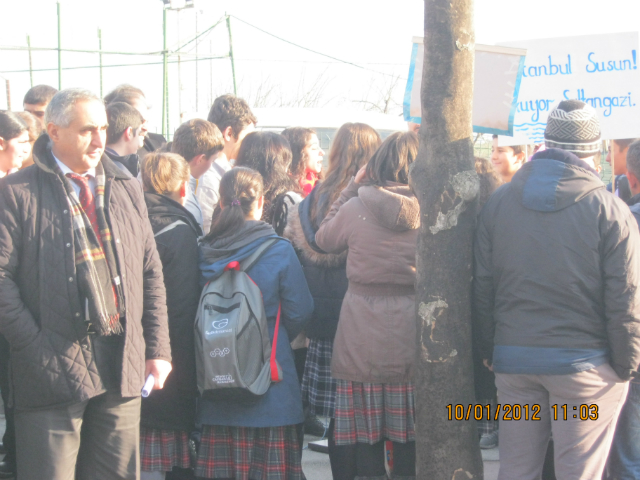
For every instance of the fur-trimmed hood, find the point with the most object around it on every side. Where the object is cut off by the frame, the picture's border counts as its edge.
(295, 232)
(394, 206)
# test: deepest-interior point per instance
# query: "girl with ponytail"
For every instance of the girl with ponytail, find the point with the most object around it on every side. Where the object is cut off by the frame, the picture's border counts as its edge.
(256, 437)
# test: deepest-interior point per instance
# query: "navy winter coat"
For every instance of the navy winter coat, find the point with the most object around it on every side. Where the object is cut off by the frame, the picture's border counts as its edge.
(279, 276)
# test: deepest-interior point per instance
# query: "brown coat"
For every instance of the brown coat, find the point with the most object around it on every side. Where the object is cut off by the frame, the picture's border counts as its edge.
(40, 308)
(375, 341)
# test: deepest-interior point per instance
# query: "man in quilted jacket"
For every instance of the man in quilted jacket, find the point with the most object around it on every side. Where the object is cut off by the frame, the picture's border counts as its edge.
(82, 301)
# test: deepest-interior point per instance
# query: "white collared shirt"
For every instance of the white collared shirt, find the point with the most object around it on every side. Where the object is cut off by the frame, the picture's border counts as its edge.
(91, 173)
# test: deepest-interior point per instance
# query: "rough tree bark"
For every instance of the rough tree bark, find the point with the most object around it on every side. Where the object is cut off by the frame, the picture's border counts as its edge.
(445, 181)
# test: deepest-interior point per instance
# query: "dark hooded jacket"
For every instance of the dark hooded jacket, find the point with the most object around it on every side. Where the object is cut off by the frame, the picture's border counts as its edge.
(279, 276)
(174, 406)
(326, 273)
(634, 206)
(53, 360)
(557, 272)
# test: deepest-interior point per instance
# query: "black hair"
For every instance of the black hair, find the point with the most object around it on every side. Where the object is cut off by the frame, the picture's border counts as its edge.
(11, 125)
(39, 94)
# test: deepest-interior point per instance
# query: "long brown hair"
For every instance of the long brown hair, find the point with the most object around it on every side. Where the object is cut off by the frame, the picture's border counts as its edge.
(392, 160)
(352, 147)
(299, 138)
(240, 189)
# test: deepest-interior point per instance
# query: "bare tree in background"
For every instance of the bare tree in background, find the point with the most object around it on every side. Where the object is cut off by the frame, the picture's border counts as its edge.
(446, 184)
(383, 95)
(271, 94)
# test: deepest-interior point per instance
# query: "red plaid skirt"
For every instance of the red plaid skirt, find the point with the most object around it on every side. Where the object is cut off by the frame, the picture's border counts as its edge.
(243, 453)
(370, 412)
(161, 450)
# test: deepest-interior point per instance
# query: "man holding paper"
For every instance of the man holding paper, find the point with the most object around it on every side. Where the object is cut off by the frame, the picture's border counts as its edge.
(82, 301)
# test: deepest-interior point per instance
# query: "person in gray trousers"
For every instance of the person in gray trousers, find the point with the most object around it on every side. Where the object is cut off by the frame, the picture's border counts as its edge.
(557, 301)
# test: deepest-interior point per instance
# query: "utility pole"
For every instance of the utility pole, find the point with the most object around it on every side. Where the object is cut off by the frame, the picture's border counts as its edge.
(164, 71)
(446, 184)
(179, 70)
(197, 41)
(8, 94)
(233, 65)
(59, 50)
(30, 63)
(210, 73)
(100, 55)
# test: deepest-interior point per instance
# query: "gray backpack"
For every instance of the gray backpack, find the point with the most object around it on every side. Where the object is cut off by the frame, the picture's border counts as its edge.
(234, 356)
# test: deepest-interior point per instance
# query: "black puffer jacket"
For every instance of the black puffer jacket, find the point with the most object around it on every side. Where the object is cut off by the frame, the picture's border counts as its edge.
(325, 272)
(40, 308)
(174, 406)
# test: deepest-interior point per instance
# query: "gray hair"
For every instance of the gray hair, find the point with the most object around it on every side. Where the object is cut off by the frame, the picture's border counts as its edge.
(59, 109)
(633, 158)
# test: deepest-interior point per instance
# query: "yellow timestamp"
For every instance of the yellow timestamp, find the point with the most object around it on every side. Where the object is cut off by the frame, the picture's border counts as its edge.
(581, 412)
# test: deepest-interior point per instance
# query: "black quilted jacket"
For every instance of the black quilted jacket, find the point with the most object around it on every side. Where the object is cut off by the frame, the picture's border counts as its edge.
(52, 360)
(174, 407)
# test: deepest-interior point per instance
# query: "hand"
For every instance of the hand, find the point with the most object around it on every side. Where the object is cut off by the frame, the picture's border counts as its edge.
(485, 362)
(361, 175)
(160, 370)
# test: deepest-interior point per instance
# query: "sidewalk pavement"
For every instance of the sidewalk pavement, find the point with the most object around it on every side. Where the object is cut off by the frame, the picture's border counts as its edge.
(315, 465)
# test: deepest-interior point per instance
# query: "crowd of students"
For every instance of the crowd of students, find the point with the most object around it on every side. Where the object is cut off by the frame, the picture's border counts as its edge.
(108, 233)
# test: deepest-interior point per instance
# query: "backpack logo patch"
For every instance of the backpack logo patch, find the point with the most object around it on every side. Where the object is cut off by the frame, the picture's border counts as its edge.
(218, 324)
(217, 327)
(219, 353)
(223, 379)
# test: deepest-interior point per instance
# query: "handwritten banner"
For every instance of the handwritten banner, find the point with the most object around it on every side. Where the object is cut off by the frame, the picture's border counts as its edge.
(497, 75)
(601, 70)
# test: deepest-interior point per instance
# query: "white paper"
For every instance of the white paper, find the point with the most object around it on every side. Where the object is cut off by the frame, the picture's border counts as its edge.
(148, 385)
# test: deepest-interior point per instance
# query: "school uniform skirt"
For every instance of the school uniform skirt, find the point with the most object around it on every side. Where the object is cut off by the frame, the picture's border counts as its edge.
(161, 450)
(371, 412)
(318, 386)
(244, 453)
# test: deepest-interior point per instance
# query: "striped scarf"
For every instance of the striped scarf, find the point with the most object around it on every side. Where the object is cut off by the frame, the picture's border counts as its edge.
(96, 269)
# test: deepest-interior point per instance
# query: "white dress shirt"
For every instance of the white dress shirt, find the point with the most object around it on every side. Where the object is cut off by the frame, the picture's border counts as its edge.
(90, 174)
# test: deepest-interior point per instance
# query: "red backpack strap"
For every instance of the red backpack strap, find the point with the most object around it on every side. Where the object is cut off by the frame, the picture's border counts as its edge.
(274, 365)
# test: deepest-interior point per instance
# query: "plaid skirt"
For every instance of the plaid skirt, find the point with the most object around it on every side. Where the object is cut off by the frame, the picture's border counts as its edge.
(370, 412)
(318, 386)
(243, 453)
(161, 450)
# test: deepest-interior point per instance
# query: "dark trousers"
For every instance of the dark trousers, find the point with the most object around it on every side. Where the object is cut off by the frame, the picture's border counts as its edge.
(363, 460)
(95, 439)
(299, 359)
(9, 438)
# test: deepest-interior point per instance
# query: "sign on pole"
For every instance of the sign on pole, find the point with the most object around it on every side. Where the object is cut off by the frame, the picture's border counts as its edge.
(601, 70)
(497, 75)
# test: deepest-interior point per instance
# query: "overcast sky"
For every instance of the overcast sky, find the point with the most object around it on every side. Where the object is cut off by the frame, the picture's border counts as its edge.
(374, 34)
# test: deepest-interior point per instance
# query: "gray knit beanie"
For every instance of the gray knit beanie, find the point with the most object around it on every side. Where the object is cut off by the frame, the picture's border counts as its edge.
(573, 126)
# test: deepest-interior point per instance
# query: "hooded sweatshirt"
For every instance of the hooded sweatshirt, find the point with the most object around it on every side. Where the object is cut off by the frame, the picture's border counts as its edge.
(557, 272)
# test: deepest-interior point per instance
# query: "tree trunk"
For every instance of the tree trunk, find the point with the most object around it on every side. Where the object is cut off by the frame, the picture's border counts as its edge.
(446, 184)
